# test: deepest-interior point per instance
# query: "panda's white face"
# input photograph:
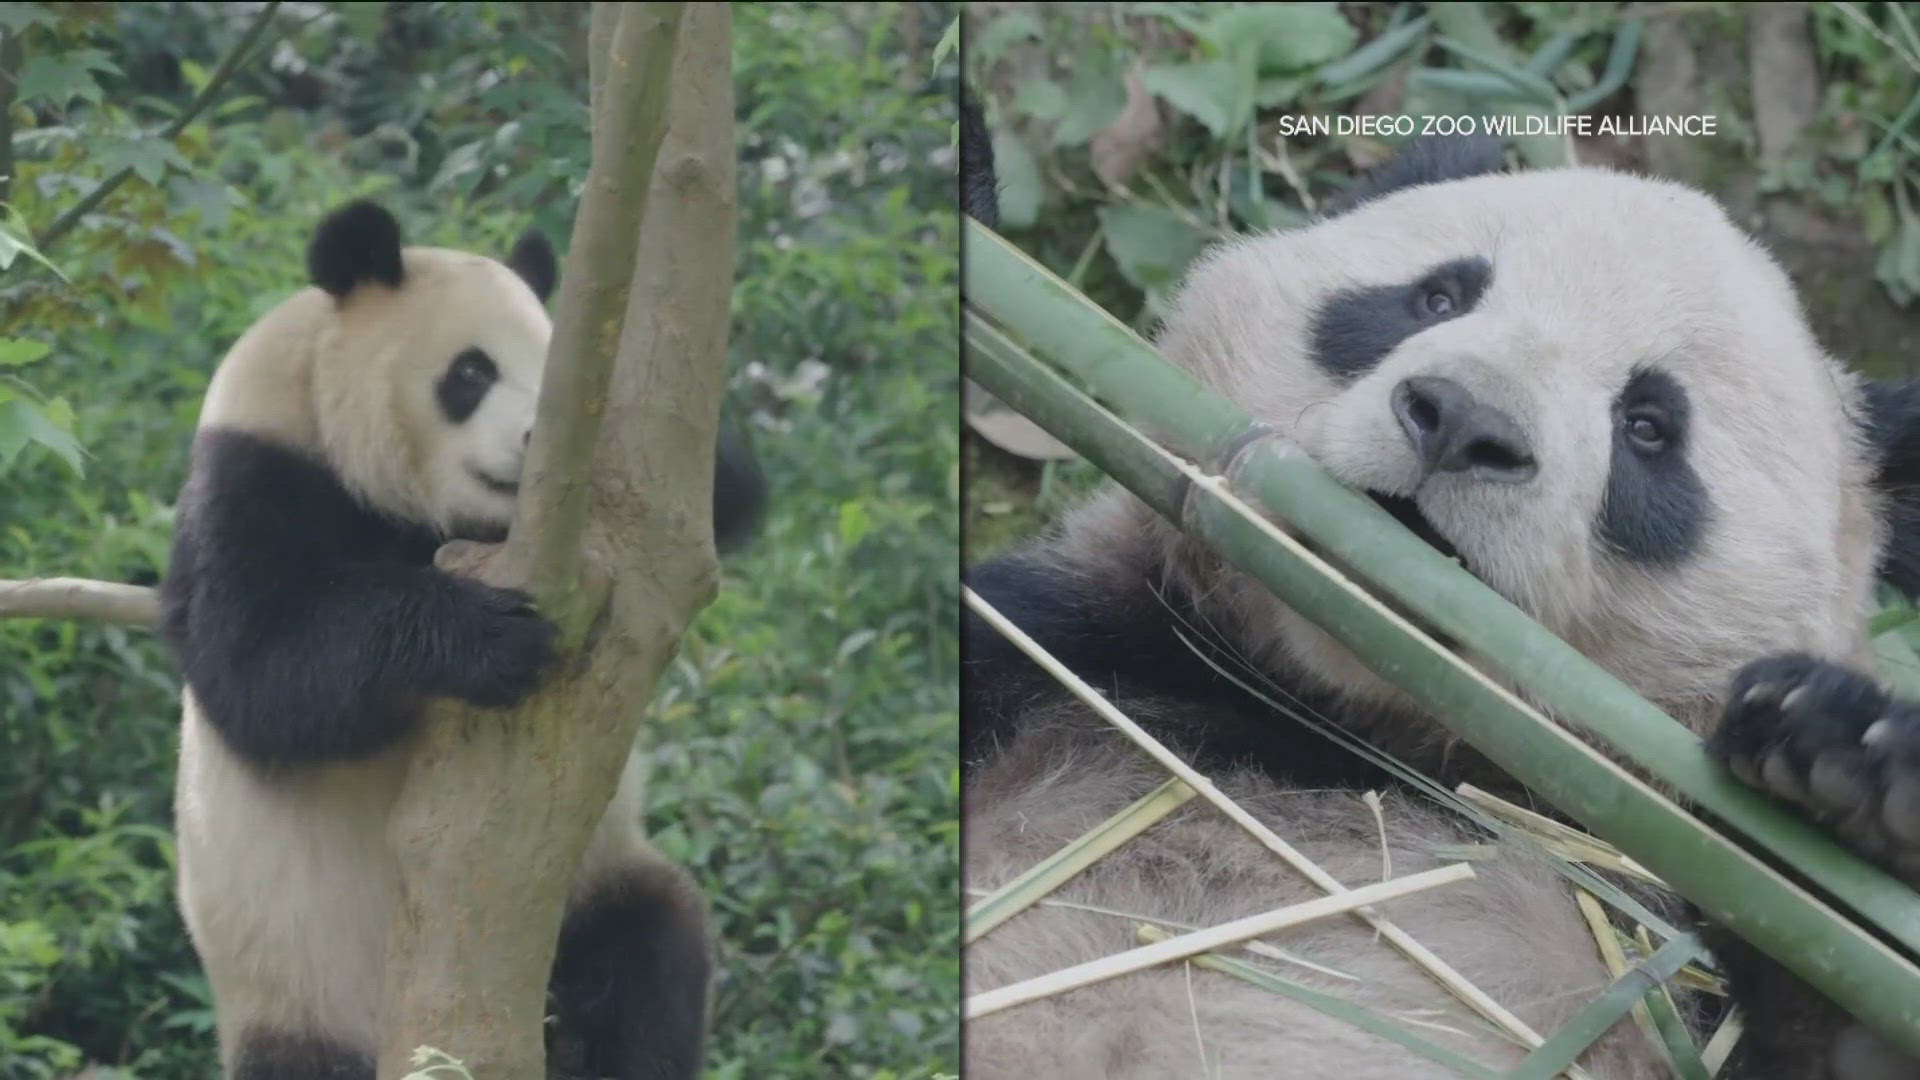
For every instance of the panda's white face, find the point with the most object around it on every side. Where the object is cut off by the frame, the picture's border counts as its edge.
(459, 349)
(1589, 387)
(487, 409)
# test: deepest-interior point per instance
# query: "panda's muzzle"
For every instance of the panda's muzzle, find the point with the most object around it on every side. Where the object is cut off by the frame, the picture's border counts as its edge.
(1452, 431)
(508, 488)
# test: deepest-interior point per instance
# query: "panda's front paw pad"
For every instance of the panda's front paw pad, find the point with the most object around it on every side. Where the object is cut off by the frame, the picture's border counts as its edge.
(1828, 739)
(515, 645)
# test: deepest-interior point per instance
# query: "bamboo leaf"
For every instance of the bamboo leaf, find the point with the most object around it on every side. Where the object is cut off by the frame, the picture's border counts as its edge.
(1375, 54)
(1614, 954)
(1620, 58)
(1603, 1012)
(1056, 869)
(1339, 1008)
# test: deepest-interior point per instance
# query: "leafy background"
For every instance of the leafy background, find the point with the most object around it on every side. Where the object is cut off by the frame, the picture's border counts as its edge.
(1129, 136)
(804, 742)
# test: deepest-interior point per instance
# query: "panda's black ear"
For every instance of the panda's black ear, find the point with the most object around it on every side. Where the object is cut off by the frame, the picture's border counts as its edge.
(979, 188)
(1425, 159)
(533, 260)
(357, 243)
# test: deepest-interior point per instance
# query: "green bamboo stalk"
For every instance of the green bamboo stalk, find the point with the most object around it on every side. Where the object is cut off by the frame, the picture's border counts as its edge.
(1853, 967)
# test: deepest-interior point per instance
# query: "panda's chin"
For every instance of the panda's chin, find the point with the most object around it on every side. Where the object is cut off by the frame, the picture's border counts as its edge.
(480, 532)
(493, 485)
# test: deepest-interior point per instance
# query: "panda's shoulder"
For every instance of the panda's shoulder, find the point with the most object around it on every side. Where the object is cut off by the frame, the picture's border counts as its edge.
(264, 383)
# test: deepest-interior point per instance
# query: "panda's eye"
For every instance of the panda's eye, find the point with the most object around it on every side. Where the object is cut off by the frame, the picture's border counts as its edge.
(467, 380)
(1646, 428)
(473, 366)
(1438, 302)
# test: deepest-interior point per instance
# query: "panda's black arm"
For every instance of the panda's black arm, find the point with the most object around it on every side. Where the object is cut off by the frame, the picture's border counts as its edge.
(1141, 646)
(327, 674)
(308, 627)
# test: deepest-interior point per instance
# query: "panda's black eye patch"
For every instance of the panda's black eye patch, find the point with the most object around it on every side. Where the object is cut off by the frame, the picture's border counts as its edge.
(1356, 329)
(465, 384)
(1655, 508)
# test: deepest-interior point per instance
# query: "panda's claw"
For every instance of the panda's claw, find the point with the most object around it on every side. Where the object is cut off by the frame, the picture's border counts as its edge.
(1877, 733)
(1829, 740)
(1760, 694)
(1792, 700)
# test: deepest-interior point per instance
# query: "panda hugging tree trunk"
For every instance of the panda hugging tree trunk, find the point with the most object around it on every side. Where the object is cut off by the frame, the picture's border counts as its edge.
(419, 629)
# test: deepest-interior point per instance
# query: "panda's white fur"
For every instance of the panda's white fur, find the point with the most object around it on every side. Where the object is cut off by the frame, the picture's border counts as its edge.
(345, 435)
(1595, 276)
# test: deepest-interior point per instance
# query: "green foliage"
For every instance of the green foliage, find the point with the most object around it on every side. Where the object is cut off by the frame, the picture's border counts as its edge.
(804, 743)
(804, 747)
(1865, 151)
(25, 416)
(1198, 157)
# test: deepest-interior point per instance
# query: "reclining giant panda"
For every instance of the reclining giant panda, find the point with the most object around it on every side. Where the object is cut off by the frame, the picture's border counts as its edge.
(1603, 399)
(345, 436)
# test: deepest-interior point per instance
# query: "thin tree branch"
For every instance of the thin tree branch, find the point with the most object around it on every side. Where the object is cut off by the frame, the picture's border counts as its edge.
(11, 56)
(222, 73)
(79, 598)
(631, 54)
(654, 465)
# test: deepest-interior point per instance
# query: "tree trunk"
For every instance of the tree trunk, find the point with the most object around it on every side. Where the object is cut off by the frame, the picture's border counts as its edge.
(496, 810)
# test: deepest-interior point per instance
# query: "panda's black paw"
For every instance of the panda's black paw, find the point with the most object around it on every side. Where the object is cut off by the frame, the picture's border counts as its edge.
(1829, 740)
(513, 645)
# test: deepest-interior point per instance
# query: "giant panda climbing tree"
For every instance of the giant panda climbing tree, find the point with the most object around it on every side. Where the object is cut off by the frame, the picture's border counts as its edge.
(612, 536)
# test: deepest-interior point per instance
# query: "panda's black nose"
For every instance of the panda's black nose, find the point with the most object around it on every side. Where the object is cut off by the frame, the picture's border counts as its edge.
(1452, 431)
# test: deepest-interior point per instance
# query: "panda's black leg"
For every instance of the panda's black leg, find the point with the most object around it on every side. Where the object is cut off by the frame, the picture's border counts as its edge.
(265, 1054)
(629, 990)
(1830, 741)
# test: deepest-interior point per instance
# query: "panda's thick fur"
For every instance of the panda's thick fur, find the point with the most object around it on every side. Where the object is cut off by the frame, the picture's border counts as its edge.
(346, 435)
(1600, 396)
